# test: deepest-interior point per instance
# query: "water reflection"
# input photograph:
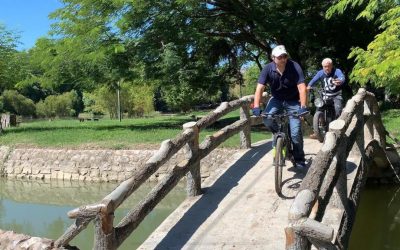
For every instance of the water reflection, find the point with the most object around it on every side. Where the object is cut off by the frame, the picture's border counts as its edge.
(377, 224)
(39, 208)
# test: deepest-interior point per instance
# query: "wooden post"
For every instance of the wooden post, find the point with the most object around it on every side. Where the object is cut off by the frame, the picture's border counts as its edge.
(340, 192)
(191, 149)
(104, 235)
(357, 149)
(299, 210)
(379, 128)
(245, 134)
(368, 128)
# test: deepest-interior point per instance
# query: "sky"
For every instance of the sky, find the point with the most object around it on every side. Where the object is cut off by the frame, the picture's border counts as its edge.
(27, 17)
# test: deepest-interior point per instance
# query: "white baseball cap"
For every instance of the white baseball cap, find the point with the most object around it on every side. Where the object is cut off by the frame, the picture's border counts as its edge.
(278, 51)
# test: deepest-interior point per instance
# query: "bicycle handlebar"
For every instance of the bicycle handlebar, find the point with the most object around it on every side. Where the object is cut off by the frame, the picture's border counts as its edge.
(295, 114)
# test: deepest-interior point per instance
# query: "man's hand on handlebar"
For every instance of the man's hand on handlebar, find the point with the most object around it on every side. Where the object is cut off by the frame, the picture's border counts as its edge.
(256, 111)
(302, 111)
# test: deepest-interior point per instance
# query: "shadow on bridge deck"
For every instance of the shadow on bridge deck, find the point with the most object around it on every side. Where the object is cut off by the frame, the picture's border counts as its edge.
(201, 210)
(239, 208)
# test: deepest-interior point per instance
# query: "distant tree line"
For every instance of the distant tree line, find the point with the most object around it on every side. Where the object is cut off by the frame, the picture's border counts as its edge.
(174, 55)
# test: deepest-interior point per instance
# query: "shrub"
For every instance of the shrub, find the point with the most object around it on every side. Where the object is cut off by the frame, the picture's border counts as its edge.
(183, 97)
(136, 100)
(15, 103)
(92, 105)
(142, 99)
(58, 105)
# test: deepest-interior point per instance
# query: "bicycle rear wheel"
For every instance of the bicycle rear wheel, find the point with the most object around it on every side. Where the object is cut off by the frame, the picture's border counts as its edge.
(279, 162)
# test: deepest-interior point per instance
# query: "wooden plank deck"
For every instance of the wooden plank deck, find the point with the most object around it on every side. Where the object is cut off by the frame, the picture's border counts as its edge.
(239, 208)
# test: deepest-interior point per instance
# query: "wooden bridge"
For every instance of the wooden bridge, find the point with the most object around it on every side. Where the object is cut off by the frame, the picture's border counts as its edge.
(238, 208)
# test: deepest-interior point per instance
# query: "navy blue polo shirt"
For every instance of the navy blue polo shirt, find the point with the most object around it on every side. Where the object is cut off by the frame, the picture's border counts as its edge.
(283, 87)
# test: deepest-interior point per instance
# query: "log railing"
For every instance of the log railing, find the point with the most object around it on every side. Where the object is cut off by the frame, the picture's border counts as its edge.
(107, 236)
(358, 131)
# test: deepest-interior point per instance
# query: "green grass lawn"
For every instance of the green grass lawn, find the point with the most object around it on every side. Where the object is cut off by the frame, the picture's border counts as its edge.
(112, 134)
(136, 133)
(391, 120)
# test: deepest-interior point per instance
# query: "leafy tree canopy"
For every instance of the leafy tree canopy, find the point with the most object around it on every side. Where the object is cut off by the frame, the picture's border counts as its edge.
(379, 63)
(9, 63)
(192, 51)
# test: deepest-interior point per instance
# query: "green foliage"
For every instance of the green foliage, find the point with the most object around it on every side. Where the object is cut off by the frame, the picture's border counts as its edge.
(107, 100)
(56, 67)
(57, 105)
(379, 63)
(136, 100)
(90, 51)
(180, 96)
(142, 99)
(16, 103)
(12, 63)
(342, 5)
(189, 51)
(250, 79)
(91, 105)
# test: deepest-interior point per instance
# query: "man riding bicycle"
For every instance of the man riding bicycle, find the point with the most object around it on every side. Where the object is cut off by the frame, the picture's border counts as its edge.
(288, 89)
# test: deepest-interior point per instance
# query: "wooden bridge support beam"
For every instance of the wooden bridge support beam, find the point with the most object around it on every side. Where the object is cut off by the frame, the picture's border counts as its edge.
(334, 182)
(104, 233)
(340, 191)
(369, 131)
(245, 134)
(193, 177)
(303, 229)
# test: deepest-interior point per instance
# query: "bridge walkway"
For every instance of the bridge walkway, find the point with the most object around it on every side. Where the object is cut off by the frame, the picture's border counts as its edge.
(239, 208)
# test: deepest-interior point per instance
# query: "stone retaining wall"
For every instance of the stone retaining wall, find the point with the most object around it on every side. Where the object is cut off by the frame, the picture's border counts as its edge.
(92, 165)
(10, 240)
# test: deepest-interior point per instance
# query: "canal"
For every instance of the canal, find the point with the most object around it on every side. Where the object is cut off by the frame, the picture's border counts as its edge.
(39, 208)
(377, 225)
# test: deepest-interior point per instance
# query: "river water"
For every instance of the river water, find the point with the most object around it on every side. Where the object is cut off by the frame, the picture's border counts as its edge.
(39, 208)
(377, 225)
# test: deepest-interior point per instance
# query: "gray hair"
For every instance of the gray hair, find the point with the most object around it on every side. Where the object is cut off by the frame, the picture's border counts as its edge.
(327, 61)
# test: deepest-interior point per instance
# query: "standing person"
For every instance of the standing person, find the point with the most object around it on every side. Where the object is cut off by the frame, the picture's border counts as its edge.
(285, 79)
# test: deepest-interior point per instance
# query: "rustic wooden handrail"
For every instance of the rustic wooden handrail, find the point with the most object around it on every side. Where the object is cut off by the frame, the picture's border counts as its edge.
(358, 131)
(109, 237)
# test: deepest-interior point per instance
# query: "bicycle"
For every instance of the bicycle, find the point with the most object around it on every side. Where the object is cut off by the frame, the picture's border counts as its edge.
(283, 145)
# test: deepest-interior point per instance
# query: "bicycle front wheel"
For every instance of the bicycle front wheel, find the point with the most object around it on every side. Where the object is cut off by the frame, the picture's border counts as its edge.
(319, 125)
(278, 162)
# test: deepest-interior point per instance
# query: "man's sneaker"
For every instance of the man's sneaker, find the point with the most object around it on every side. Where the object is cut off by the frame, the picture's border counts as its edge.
(314, 136)
(300, 165)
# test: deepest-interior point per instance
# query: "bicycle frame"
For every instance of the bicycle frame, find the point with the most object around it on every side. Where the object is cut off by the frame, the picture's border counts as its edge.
(283, 132)
(283, 146)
